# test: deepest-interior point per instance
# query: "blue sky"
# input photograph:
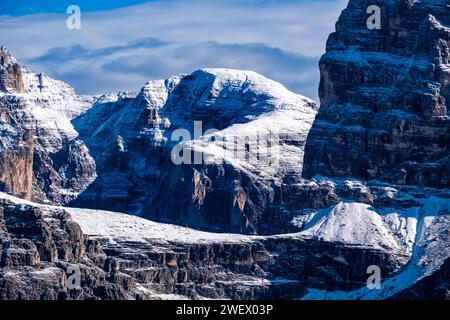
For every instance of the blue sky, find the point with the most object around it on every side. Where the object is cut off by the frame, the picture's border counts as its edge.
(25, 7)
(124, 43)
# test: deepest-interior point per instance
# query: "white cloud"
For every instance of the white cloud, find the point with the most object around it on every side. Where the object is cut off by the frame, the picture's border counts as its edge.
(297, 28)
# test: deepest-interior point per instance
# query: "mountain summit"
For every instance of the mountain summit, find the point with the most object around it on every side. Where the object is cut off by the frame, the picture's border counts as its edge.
(10, 73)
(385, 96)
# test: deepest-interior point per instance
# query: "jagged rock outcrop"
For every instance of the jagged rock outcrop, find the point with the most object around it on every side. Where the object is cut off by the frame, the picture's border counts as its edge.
(10, 73)
(385, 96)
(16, 152)
(40, 157)
(39, 244)
(62, 175)
(36, 249)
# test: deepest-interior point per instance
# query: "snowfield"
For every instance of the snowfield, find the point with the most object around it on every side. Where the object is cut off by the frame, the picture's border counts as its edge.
(116, 226)
(430, 249)
(360, 224)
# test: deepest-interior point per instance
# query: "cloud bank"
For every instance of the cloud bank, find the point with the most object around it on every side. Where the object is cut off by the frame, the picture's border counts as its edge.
(123, 48)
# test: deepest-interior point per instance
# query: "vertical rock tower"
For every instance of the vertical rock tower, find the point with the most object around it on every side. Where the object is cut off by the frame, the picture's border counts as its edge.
(385, 96)
(16, 143)
(10, 73)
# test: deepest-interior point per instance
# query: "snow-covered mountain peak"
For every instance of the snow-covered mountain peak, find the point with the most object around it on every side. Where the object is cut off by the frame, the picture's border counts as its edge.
(49, 104)
(19, 79)
(229, 83)
(6, 58)
(115, 96)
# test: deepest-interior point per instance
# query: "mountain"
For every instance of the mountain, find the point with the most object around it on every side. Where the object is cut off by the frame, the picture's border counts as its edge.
(224, 184)
(384, 96)
(40, 157)
(114, 152)
(131, 141)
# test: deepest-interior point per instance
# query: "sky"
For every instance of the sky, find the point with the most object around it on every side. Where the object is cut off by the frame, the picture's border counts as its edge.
(122, 44)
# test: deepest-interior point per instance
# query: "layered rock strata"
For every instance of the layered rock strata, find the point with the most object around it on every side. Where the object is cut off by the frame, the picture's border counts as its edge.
(384, 96)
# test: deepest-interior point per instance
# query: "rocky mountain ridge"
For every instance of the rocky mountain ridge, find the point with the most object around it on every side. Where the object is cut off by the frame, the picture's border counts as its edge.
(361, 181)
(10, 73)
(116, 154)
(125, 257)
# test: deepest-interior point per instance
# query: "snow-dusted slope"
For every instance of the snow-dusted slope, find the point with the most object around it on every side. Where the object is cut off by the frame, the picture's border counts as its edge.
(431, 247)
(260, 129)
(358, 223)
(117, 226)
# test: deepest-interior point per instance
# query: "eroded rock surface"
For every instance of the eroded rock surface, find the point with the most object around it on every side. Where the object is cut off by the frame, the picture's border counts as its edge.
(367, 185)
(10, 73)
(384, 96)
(41, 246)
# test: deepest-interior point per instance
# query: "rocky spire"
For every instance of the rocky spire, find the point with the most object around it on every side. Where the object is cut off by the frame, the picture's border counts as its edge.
(10, 73)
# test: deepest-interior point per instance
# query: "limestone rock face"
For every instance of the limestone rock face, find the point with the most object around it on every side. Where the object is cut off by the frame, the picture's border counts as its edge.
(40, 157)
(331, 196)
(10, 73)
(37, 250)
(16, 164)
(17, 171)
(39, 246)
(16, 152)
(385, 96)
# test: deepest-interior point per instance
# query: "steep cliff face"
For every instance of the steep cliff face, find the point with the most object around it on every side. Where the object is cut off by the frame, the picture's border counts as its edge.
(38, 248)
(10, 73)
(16, 165)
(384, 96)
(16, 169)
(16, 151)
(40, 157)
(124, 257)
